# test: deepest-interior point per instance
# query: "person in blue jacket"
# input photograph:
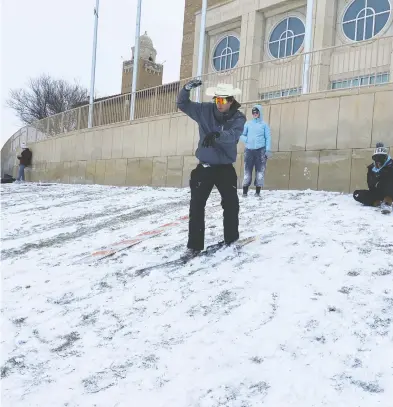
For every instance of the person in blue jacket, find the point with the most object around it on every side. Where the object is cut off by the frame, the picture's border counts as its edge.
(257, 139)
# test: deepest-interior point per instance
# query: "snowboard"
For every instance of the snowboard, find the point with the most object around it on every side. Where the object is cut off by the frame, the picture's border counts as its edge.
(45, 184)
(125, 244)
(182, 261)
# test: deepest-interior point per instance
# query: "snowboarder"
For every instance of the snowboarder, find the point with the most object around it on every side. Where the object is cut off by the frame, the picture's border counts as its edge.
(220, 126)
(379, 180)
(24, 161)
(257, 139)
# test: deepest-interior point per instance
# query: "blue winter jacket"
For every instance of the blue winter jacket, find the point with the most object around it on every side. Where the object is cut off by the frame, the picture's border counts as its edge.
(256, 133)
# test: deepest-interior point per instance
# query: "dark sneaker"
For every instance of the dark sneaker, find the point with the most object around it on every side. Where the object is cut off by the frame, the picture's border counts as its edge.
(230, 243)
(190, 254)
(386, 209)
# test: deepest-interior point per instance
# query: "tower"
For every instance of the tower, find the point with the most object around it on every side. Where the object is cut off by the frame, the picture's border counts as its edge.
(149, 72)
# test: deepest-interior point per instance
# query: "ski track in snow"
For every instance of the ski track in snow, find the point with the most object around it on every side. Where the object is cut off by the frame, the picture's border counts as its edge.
(302, 317)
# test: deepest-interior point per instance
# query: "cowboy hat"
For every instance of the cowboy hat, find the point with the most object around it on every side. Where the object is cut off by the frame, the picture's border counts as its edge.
(223, 89)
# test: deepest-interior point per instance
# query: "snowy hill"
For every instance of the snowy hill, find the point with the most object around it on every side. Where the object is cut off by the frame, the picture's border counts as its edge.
(303, 316)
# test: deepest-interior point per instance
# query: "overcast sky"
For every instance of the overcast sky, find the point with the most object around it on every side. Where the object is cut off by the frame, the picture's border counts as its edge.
(55, 37)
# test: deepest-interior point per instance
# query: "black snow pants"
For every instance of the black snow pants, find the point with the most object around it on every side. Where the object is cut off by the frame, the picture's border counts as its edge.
(367, 197)
(202, 181)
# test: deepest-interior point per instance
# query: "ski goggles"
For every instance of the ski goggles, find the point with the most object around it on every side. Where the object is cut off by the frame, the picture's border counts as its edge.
(255, 111)
(220, 100)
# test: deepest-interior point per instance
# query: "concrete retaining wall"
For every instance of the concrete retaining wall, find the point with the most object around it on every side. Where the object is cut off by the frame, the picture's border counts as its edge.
(321, 141)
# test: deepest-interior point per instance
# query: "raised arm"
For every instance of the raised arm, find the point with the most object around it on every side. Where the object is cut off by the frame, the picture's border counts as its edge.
(191, 109)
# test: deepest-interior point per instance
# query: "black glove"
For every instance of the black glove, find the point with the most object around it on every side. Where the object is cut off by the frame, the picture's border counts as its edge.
(210, 139)
(194, 83)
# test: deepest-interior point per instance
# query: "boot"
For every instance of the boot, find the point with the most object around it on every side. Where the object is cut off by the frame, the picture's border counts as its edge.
(258, 191)
(245, 191)
(386, 205)
(190, 254)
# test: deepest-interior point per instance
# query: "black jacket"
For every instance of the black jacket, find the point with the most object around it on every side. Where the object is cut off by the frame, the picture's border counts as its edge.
(382, 180)
(25, 157)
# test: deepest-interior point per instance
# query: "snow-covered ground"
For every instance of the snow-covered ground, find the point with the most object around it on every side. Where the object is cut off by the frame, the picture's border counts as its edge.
(301, 317)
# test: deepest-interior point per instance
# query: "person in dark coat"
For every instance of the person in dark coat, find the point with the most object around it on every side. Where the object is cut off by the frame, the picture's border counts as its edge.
(379, 180)
(24, 161)
(220, 126)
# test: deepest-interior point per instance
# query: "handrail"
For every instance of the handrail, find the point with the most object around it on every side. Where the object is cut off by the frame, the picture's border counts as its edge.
(366, 63)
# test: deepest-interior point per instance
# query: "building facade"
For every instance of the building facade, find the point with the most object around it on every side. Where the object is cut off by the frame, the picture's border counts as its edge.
(266, 39)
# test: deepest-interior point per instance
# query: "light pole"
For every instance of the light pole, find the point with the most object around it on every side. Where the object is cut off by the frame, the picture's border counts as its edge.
(136, 59)
(201, 47)
(307, 46)
(93, 66)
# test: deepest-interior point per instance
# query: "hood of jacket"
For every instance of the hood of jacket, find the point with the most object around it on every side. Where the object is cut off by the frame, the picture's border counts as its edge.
(260, 118)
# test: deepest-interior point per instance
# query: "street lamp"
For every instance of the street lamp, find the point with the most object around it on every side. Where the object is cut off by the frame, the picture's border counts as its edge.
(93, 66)
(307, 47)
(136, 59)
(201, 47)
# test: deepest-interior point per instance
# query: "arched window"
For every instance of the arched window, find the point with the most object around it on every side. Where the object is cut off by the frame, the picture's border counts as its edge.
(364, 19)
(287, 37)
(226, 53)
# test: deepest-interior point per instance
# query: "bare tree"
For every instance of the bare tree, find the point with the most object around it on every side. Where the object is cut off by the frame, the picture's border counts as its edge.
(46, 96)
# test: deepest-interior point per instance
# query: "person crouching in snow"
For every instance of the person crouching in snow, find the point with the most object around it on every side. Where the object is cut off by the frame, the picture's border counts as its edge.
(379, 180)
(257, 139)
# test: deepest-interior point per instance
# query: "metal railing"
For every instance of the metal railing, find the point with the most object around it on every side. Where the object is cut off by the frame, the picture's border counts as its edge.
(367, 63)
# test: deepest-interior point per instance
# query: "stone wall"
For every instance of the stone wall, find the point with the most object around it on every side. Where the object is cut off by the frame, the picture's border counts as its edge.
(321, 141)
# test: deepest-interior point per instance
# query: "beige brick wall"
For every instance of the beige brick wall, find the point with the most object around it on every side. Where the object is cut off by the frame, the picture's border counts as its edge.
(187, 52)
(320, 142)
